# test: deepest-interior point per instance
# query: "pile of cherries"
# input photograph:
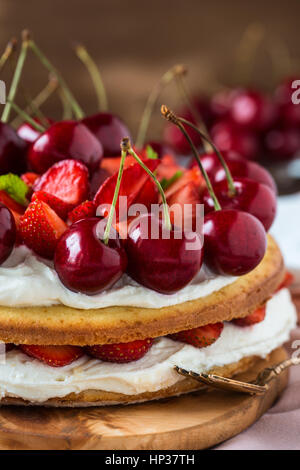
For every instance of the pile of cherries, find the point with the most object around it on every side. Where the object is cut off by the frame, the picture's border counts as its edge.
(247, 122)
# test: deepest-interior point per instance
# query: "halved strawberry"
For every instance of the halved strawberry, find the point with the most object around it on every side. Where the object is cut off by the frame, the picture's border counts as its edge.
(60, 207)
(17, 209)
(54, 356)
(40, 228)
(183, 205)
(121, 352)
(134, 183)
(168, 166)
(256, 317)
(287, 281)
(68, 180)
(84, 210)
(200, 337)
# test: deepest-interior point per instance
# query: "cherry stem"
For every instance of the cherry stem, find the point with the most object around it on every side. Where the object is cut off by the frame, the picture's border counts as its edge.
(94, 72)
(9, 50)
(16, 77)
(27, 118)
(231, 187)
(181, 85)
(39, 100)
(67, 109)
(152, 100)
(116, 194)
(159, 187)
(170, 116)
(69, 95)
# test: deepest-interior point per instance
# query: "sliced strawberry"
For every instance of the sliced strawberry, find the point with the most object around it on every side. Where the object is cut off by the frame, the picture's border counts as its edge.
(68, 180)
(200, 337)
(180, 212)
(54, 356)
(168, 166)
(121, 352)
(29, 178)
(60, 207)
(111, 165)
(287, 281)
(84, 210)
(40, 228)
(256, 317)
(11, 203)
(133, 182)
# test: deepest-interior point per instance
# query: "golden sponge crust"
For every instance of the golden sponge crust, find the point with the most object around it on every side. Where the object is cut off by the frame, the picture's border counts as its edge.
(58, 325)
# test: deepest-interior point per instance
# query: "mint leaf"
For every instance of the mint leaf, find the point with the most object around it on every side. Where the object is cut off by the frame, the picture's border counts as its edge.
(166, 183)
(14, 187)
(150, 153)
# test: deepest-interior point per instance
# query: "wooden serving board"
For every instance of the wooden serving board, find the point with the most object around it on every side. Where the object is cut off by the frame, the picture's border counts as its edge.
(195, 421)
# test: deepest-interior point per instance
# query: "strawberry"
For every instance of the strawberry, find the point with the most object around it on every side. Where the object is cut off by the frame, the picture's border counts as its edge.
(121, 352)
(134, 185)
(256, 317)
(60, 207)
(180, 213)
(287, 281)
(84, 210)
(54, 356)
(16, 209)
(68, 180)
(200, 337)
(40, 228)
(29, 178)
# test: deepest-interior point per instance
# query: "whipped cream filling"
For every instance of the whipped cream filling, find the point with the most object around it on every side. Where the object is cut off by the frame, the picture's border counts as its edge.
(30, 379)
(27, 281)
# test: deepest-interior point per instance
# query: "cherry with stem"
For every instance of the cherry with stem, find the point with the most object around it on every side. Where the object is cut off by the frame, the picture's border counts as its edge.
(94, 72)
(167, 78)
(16, 77)
(170, 116)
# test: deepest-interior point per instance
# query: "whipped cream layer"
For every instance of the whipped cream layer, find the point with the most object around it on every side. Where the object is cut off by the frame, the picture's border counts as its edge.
(27, 281)
(30, 379)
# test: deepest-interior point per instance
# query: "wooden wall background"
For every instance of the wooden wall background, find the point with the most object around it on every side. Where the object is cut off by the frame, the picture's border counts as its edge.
(135, 41)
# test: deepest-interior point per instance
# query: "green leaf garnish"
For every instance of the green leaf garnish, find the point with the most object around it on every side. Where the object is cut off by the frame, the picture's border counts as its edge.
(150, 153)
(15, 187)
(166, 183)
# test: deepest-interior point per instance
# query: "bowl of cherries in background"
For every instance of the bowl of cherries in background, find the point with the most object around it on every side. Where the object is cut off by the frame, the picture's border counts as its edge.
(54, 175)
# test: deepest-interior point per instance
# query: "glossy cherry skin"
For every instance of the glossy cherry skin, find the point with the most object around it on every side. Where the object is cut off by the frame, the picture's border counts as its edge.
(234, 242)
(109, 130)
(84, 263)
(164, 265)
(12, 151)
(7, 232)
(252, 110)
(252, 197)
(28, 133)
(65, 140)
(282, 143)
(229, 137)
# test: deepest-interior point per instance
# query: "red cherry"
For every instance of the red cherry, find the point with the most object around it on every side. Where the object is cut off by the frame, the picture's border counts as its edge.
(84, 263)
(65, 140)
(109, 130)
(252, 110)
(174, 137)
(252, 197)
(162, 264)
(284, 91)
(28, 133)
(7, 232)
(282, 143)
(234, 242)
(12, 151)
(228, 137)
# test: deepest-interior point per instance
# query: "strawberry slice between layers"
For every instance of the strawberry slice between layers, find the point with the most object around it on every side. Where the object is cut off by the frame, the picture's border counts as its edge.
(40, 228)
(67, 180)
(256, 317)
(54, 356)
(200, 337)
(120, 353)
